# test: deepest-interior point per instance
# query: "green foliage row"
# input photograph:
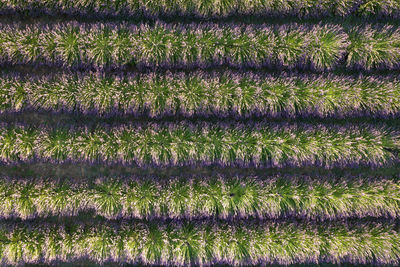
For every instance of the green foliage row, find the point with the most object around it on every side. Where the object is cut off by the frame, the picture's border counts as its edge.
(222, 197)
(213, 8)
(204, 94)
(320, 47)
(201, 242)
(278, 145)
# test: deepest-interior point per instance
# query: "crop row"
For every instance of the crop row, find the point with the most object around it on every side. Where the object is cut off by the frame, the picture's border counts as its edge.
(216, 93)
(319, 47)
(221, 197)
(201, 242)
(214, 8)
(207, 144)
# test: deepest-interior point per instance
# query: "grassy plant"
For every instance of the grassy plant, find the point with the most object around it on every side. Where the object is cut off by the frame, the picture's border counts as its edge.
(210, 8)
(220, 197)
(277, 145)
(107, 198)
(384, 7)
(320, 46)
(200, 93)
(327, 47)
(372, 48)
(68, 45)
(203, 242)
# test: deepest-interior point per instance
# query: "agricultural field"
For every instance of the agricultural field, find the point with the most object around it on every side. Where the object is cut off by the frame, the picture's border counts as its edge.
(199, 132)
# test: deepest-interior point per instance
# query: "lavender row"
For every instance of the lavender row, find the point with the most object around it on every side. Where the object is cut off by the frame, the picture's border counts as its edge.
(205, 143)
(205, 94)
(318, 47)
(203, 197)
(208, 8)
(200, 242)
